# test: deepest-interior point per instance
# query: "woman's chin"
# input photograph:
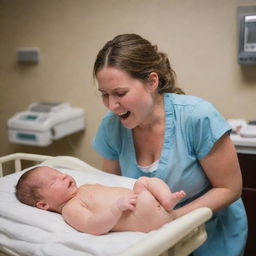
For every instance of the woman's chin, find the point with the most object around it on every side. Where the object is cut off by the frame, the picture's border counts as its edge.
(127, 124)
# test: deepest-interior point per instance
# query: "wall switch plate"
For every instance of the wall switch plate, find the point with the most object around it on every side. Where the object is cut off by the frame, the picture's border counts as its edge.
(28, 55)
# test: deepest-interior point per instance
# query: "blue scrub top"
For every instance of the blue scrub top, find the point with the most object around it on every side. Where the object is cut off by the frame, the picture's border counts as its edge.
(192, 127)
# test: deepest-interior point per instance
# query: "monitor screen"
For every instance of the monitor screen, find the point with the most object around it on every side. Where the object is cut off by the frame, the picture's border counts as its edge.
(250, 34)
(29, 117)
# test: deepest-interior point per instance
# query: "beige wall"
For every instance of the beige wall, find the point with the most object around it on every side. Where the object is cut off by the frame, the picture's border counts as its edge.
(199, 36)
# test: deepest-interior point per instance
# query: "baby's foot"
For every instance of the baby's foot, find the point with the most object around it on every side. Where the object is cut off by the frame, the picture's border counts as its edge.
(174, 198)
(139, 186)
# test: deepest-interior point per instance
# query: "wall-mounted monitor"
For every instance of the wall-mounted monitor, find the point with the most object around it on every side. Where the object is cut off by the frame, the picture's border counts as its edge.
(247, 35)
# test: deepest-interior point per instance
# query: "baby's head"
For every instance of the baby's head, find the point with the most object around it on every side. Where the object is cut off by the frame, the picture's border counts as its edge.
(45, 188)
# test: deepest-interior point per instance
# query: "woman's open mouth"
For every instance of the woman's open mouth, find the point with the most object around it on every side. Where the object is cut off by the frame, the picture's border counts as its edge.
(124, 115)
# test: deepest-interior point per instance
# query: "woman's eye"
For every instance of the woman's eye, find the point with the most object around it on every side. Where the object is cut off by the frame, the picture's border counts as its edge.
(116, 94)
(120, 94)
(104, 95)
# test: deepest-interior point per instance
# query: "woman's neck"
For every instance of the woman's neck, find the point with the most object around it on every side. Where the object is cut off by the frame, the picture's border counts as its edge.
(156, 118)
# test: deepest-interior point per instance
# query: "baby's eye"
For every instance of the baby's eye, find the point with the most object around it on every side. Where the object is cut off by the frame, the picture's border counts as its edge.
(53, 180)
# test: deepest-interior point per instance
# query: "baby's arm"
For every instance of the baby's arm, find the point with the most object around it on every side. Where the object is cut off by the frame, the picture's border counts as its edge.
(97, 223)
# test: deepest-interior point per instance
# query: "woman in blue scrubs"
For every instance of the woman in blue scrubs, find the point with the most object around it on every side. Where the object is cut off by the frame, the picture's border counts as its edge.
(153, 129)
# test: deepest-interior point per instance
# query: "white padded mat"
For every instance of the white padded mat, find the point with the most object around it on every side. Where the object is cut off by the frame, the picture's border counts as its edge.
(31, 231)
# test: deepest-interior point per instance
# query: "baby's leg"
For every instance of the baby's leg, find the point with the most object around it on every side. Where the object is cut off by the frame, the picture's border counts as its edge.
(159, 190)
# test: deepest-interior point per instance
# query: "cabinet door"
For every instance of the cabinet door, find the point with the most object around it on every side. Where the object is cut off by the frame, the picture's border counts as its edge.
(248, 168)
(249, 199)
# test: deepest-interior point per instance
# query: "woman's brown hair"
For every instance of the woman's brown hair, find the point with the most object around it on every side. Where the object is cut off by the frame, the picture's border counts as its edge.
(138, 57)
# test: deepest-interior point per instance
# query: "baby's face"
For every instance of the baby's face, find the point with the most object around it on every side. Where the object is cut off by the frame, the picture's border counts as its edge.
(55, 187)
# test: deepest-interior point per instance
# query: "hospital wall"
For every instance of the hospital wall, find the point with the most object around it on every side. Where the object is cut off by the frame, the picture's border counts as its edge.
(200, 37)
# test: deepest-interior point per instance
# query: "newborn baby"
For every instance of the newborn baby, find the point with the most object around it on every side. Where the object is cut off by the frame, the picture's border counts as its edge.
(98, 209)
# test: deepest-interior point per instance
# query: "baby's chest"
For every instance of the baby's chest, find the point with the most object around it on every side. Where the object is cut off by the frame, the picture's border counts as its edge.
(98, 198)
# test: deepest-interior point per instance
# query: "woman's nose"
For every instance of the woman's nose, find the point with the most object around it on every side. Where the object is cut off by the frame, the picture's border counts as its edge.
(113, 103)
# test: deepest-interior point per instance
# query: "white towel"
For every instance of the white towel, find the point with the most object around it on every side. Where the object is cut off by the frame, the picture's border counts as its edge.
(31, 231)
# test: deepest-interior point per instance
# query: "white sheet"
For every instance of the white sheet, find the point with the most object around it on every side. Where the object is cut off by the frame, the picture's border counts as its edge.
(31, 231)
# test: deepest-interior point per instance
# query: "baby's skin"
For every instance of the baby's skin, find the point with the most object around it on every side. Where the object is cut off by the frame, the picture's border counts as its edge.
(98, 209)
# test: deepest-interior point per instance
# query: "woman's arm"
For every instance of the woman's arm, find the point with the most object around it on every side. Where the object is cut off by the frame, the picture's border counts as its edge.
(111, 166)
(222, 168)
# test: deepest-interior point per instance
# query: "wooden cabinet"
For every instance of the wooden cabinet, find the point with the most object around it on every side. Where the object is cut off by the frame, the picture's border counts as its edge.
(248, 168)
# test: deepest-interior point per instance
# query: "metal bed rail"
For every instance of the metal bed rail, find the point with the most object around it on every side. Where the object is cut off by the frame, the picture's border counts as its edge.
(18, 157)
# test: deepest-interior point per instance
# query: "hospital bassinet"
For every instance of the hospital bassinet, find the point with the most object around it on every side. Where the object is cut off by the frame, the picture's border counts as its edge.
(178, 238)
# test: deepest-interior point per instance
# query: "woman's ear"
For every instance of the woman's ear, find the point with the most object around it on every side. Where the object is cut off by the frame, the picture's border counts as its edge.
(42, 205)
(153, 81)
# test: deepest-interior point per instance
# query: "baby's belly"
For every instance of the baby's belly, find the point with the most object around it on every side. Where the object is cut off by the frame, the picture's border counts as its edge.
(149, 215)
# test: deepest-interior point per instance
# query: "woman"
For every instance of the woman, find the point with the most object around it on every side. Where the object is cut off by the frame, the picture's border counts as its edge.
(153, 129)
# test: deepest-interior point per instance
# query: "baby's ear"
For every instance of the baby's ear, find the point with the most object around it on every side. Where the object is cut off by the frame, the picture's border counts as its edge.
(42, 205)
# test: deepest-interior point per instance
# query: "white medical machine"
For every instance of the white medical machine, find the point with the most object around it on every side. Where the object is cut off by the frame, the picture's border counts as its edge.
(44, 122)
(243, 135)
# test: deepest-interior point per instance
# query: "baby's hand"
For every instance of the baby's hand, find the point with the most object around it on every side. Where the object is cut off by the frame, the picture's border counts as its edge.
(127, 202)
